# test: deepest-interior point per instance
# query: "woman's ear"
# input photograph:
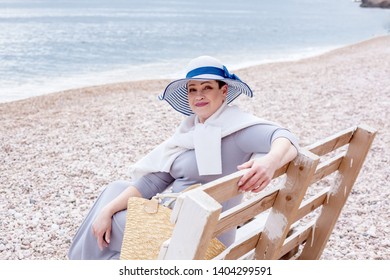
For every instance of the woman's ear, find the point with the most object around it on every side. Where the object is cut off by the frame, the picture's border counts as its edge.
(224, 90)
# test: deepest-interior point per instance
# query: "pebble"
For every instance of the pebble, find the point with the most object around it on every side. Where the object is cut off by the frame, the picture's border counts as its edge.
(55, 227)
(20, 255)
(27, 253)
(371, 231)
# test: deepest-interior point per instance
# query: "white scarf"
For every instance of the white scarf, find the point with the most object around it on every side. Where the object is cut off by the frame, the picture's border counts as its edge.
(204, 138)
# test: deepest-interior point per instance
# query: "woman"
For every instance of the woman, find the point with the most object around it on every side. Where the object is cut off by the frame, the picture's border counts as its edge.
(214, 140)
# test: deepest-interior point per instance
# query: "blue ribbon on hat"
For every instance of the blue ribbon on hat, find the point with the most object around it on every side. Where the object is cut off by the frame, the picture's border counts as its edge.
(213, 71)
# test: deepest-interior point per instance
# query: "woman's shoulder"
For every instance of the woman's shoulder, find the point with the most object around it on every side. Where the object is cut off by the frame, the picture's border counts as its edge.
(260, 127)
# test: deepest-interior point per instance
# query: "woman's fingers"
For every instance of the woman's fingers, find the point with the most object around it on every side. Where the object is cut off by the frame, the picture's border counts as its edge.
(256, 179)
(245, 165)
(251, 172)
(243, 183)
(248, 180)
(102, 234)
(260, 187)
(102, 240)
(107, 236)
(252, 182)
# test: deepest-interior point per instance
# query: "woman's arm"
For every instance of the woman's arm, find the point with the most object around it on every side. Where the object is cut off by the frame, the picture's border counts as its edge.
(101, 227)
(147, 186)
(262, 169)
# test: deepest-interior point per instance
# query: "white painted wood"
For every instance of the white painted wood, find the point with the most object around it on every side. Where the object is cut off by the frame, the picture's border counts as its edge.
(195, 221)
(164, 249)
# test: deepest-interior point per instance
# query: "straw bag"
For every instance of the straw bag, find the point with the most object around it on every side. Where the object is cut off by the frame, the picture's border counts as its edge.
(147, 227)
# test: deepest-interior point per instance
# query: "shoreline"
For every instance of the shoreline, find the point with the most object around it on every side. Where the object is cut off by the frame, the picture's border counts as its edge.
(84, 80)
(59, 150)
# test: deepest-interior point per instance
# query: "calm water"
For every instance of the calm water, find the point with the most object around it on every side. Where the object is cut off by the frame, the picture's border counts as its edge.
(48, 46)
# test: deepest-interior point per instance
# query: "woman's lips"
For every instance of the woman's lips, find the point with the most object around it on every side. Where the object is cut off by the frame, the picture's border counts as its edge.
(201, 104)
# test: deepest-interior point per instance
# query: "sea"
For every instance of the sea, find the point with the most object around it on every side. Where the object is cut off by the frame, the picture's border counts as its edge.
(54, 45)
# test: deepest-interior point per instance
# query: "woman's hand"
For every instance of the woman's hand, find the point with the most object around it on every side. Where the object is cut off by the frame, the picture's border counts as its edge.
(101, 228)
(261, 172)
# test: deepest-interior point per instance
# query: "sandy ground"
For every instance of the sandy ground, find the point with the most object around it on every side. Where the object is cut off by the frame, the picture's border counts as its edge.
(58, 151)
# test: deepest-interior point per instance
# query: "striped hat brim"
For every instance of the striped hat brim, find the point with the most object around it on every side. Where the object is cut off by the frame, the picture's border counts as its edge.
(176, 93)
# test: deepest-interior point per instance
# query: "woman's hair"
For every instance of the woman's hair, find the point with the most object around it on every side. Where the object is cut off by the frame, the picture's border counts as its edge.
(220, 83)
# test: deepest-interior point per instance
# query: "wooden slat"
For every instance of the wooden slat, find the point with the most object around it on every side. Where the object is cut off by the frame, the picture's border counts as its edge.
(282, 170)
(286, 205)
(226, 187)
(331, 143)
(349, 170)
(199, 212)
(299, 236)
(328, 167)
(245, 211)
(240, 248)
(311, 204)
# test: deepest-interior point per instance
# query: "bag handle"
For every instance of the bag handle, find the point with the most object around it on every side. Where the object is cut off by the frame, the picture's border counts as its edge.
(151, 206)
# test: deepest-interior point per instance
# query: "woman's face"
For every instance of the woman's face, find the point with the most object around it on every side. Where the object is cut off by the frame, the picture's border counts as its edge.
(205, 97)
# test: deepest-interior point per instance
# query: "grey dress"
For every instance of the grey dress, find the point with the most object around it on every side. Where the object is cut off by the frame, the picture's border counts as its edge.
(237, 148)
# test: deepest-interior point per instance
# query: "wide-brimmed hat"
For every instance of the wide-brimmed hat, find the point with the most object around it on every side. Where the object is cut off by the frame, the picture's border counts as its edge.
(203, 68)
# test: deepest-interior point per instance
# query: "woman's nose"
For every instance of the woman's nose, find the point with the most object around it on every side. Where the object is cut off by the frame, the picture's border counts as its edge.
(198, 95)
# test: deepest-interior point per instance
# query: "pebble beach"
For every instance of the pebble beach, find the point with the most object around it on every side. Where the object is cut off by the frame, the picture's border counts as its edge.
(58, 151)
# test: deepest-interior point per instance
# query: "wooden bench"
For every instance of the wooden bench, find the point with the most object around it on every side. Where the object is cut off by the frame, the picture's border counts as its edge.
(301, 208)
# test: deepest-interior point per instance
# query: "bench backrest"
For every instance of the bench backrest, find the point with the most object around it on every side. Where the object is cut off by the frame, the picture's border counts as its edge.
(300, 210)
